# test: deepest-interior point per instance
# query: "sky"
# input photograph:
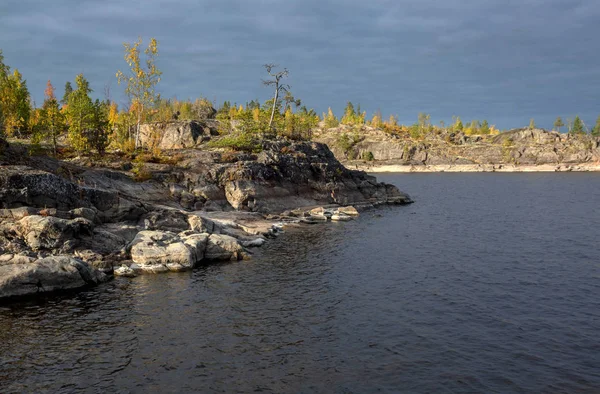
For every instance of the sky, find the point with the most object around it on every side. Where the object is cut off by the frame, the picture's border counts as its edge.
(506, 61)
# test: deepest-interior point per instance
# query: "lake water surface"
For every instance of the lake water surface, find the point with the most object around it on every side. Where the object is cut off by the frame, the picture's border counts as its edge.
(488, 283)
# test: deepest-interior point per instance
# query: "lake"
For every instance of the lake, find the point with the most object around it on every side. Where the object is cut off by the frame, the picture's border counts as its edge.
(488, 283)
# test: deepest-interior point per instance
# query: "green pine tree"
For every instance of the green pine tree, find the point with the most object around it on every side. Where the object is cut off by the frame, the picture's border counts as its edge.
(558, 123)
(577, 127)
(52, 122)
(68, 91)
(79, 114)
(596, 129)
(485, 127)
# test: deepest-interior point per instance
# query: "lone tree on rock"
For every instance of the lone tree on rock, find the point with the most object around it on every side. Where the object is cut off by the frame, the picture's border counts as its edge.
(531, 124)
(558, 123)
(577, 127)
(141, 80)
(276, 80)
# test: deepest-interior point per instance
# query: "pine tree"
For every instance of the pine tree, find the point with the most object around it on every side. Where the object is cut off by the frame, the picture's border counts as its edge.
(577, 127)
(79, 114)
(596, 129)
(458, 124)
(349, 114)
(97, 134)
(68, 91)
(330, 119)
(558, 123)
(485, 127)
(52, 122)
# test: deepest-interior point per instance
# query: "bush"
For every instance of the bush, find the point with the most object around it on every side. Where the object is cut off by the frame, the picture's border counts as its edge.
(368, 156)
(141, 173)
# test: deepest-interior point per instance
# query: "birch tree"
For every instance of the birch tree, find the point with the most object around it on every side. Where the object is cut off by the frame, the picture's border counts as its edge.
(141, 79)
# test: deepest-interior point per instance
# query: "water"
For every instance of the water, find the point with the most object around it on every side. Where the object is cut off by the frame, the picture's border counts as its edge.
(489, 283)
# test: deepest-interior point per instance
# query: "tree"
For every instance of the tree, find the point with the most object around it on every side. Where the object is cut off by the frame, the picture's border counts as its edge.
(289, 99)
(577, 127)
(531, 124)
(330, 119)
(485, 127)
(52, 122)
(377, 120)
(79, 114)
(458, 124)
(349, 114)
(68, 91)
(275, 81)
(424, 122)
(558, 123)
(141, 80)
(14, 100)
(4, 70)
(596, 129)
(97, 134)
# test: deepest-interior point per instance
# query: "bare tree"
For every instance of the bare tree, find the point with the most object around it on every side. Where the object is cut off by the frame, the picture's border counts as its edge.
(276, 80)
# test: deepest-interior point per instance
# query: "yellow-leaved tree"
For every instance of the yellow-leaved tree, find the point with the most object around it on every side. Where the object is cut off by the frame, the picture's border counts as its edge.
(141, 80)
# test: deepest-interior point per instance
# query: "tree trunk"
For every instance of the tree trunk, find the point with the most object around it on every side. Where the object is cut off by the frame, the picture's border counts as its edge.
(137, 129)
(274, 104)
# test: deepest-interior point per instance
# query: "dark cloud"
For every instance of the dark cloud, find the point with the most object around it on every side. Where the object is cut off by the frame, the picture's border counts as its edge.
(504, 60)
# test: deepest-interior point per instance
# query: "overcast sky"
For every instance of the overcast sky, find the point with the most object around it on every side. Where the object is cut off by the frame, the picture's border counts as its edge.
(502, 60)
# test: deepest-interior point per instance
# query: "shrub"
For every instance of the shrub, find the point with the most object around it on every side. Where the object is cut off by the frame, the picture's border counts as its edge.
(141, 172)
(368, 156)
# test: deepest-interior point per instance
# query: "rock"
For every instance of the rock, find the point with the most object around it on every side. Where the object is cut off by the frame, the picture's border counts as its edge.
(125, 271)
(341, 217)
(86, 213)
(253, 242)
(223, 247)
(197, 243)
(176, 135)
(47, 232)
(47, 275)
(349, 210)
(157, 251)
(202, 225)
(8, 259)
(165, 220)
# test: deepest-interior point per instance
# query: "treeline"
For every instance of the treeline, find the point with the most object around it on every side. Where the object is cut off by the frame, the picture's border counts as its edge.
(353, 116)
(85, 124)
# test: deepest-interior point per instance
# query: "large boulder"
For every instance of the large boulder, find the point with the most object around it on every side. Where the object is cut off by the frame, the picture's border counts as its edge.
(223, 247)
(159, 251)
(49, 233)
(176, 134)
(47, 275)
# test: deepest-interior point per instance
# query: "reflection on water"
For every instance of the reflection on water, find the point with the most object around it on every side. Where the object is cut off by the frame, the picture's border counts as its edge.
(489, 283)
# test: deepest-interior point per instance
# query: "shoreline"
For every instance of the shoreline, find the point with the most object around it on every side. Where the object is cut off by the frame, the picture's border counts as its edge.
(455, 168)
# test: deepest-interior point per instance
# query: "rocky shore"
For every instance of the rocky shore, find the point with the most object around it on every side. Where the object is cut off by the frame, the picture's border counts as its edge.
(75, 223)
(411, 168)
(520, 150)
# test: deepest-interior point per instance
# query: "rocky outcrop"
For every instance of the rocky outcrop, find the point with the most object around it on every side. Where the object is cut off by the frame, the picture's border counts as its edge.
(177, 135)
(65, 224)
(515, 147)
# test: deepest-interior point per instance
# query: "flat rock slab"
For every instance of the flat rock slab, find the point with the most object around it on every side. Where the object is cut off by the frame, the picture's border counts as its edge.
(47, 275)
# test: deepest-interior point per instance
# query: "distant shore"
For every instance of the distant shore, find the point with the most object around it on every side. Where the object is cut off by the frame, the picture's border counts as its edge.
(406, 168)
